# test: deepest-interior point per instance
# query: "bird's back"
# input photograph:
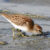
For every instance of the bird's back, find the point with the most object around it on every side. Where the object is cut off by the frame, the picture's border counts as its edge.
(19, 19)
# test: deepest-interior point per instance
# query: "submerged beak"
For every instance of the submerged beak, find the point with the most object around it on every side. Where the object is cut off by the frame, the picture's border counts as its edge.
(42, 33)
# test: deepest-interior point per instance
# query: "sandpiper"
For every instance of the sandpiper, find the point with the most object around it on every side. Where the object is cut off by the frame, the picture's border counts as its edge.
(24, 23)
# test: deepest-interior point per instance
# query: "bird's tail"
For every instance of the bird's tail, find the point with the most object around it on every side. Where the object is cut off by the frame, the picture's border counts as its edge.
(4, 12)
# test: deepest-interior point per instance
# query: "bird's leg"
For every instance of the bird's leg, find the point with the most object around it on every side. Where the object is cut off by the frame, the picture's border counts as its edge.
(13, 30)
(20, 34)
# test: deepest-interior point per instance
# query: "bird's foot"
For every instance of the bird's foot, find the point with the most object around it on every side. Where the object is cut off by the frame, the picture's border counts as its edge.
(19, 34)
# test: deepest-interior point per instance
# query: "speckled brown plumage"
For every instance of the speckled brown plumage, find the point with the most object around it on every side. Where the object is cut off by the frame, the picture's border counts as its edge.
(20, 20)
(23, 23)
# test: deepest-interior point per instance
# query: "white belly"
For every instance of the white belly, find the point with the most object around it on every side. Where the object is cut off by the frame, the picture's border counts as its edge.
(23, 28)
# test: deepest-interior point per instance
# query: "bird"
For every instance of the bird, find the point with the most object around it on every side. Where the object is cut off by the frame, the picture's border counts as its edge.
(23, 22)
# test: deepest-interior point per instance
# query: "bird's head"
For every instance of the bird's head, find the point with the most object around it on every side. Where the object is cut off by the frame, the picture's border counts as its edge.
(37, 30)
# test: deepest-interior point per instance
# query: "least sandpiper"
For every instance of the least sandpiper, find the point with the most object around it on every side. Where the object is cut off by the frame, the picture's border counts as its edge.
(24, 23)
